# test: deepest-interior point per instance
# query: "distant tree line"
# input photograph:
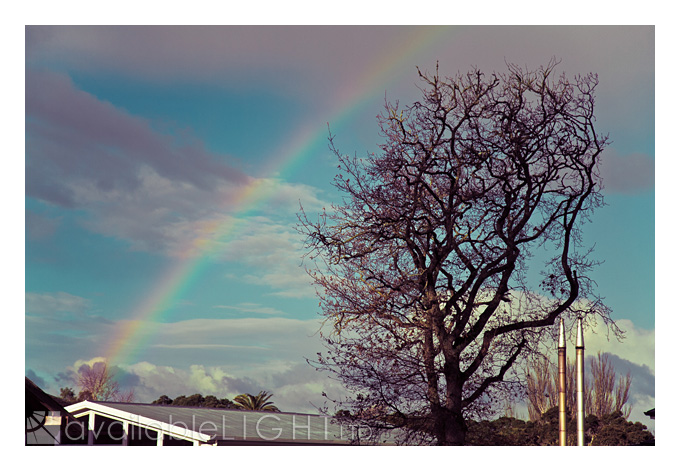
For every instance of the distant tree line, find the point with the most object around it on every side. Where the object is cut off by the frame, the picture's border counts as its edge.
(99, 390)
(609, 430)
(260, 401)
(196, 400)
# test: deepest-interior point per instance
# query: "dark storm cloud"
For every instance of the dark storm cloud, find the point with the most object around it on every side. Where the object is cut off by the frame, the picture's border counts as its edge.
(72, 134)
(135, 184)
(310, 61)
(643, 380)
(74, 137)
(321, 62)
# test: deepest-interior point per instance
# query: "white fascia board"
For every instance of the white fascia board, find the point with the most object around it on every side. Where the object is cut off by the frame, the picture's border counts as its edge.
(79, 406)
(153, 424)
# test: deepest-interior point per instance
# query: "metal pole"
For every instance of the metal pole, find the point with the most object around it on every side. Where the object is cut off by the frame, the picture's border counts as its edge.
(580, 379)
(562, 384)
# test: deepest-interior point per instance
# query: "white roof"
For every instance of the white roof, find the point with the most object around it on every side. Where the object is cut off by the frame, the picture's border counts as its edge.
(209, 425)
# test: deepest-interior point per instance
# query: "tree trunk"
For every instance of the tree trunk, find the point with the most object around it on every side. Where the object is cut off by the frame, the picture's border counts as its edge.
(451, 428)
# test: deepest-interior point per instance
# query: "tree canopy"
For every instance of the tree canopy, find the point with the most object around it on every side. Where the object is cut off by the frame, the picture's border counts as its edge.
(426, 268)
(67, 394)
(261, 401)
(609, 430)
(196, 400)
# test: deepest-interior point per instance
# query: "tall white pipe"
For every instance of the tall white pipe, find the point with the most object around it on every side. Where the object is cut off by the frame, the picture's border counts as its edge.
(580, 386)
(562, 385)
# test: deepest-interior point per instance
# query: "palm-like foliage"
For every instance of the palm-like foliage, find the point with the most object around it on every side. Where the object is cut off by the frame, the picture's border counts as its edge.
(258, 402)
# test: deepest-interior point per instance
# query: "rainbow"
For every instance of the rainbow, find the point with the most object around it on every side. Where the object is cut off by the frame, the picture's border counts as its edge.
(128, 342)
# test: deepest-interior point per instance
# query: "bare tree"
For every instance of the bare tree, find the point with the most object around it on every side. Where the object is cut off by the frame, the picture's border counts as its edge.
(603, 394)
(422, 268)
(541, 387)
(543, 390)
(608, 395)
(97, 383)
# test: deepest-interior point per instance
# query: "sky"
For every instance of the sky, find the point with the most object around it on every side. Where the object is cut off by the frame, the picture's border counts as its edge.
(165, 167)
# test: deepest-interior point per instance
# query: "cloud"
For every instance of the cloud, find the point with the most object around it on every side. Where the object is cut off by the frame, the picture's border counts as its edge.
(300, 392)
(285, 284)
(152, 381)
(638, 347)
(642, 389)
(48, 303)
(288, 196)
(274, 252)
(75, 140)
(330, 68)
(253, 308)
(628, 174)
(278, 338)
(73, 133)
(163, 216)
(222, 357)
(133, 183)
(635, 354)
(60, 327)
(226, 357)
(337, 57)
(245, 57)
(643, 377)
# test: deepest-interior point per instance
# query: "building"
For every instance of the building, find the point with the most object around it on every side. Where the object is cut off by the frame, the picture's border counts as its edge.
(46, 417)
(129, 424)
